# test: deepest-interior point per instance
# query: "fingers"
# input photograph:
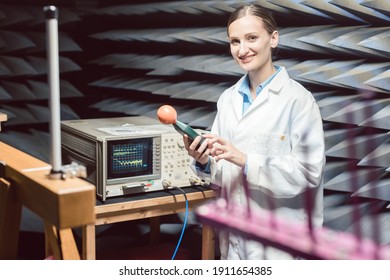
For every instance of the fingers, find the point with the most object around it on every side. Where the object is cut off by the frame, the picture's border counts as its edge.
(209, 135)
(195, 144)
(199, 152)
(192, 144)
(186, 141)
(217, 149)
(204, 146)
(214, 138)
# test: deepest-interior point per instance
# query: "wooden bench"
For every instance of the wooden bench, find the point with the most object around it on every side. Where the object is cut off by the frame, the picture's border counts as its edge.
(3, 118)
(62, 204)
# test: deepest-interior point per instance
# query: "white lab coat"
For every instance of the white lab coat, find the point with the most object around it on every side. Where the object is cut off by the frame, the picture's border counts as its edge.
(282, 135)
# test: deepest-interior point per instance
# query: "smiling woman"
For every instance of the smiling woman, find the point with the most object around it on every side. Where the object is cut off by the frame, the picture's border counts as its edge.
(252, 40)
(266, 147)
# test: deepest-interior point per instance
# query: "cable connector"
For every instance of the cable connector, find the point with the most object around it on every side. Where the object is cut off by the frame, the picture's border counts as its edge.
(167, 185)
(196, 181)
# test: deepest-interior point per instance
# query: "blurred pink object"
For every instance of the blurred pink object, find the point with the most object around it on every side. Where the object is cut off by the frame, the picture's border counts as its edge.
(297, 239)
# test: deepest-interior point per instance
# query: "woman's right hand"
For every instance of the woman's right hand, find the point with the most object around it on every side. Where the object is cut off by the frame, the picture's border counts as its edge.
(200, 154)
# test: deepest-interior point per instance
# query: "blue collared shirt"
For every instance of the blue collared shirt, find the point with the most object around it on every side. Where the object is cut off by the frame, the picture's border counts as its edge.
(245, 91)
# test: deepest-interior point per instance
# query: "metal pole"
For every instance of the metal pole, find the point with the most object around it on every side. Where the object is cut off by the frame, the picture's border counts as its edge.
(51, 15)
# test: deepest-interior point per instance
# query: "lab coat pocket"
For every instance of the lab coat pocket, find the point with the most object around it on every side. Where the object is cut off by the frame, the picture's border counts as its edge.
(270, 144)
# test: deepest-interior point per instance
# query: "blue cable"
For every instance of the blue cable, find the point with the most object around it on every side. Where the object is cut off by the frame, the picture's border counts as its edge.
(184, 224)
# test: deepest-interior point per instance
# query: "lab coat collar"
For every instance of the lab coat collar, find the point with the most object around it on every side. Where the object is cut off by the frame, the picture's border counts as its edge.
(237, 98)
(275, 86)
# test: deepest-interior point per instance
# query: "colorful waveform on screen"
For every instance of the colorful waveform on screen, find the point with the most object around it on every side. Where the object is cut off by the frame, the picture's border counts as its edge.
(128, 156)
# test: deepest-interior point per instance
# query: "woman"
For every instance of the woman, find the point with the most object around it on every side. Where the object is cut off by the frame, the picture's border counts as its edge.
(267, 131)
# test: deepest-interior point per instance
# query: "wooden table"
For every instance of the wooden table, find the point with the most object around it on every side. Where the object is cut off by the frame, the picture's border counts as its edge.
(3, 118)
(152, 206)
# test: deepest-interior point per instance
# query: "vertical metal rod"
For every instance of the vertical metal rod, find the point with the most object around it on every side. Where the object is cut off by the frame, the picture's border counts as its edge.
(51, 15)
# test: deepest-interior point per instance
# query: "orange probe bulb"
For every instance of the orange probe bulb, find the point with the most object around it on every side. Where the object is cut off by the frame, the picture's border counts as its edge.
(167, 114)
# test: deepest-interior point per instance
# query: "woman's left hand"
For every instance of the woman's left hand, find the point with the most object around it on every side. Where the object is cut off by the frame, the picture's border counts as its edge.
(222, 149)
